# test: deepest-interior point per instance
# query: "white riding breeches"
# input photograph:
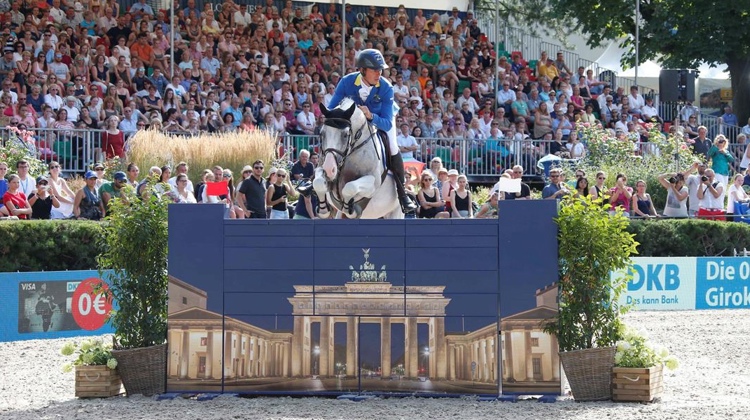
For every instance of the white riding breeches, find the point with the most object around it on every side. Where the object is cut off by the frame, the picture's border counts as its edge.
(392, 143)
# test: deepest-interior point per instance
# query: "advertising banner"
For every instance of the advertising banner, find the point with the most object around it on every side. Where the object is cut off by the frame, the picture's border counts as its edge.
(51, 305)
(723, 283)
(688, 283)
(661, 284)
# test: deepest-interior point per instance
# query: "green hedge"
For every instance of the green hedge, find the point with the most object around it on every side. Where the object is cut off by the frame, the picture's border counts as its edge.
(49, 245)
(689, 238)
(74, 245)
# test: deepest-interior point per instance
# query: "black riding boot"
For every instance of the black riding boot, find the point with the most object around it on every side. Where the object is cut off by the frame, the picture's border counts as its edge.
(397, 167)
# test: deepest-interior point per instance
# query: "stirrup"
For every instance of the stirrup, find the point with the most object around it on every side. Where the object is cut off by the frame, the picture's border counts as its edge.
(323, 208)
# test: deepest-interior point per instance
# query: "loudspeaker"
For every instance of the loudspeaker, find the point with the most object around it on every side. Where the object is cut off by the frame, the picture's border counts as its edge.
(677, 85)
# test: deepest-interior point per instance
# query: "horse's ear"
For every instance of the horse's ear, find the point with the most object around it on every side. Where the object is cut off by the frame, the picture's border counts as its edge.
(349, 112)
(323, 109)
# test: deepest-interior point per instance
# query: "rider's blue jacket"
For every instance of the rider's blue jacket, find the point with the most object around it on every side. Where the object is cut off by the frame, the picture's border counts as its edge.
(380, 102)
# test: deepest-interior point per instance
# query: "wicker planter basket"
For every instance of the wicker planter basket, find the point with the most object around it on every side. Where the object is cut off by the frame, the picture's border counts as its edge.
(143, 370)
(589, 372)
(97, 382)
(637, 384)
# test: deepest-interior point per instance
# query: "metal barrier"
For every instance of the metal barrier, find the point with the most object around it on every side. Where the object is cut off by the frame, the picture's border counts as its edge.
(74, 149)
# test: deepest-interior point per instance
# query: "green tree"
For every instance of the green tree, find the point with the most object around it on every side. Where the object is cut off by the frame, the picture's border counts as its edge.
(675, 33)
(136, 238)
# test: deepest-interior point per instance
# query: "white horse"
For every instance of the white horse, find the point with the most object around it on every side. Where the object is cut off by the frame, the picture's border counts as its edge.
(353, 177)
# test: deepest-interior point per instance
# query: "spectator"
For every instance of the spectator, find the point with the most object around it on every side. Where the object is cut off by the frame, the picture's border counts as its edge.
(641, 202)
(710, 196)
(251, 196)
(736, 194)
(303, 169)
(15, 200)
(720, 159)
(620, 195)
(431, 204)
(556, 188)
(462, 207)
(114, 189)
(276, 195)
(87, 204)
(677, 195)
(407, 144)
(41, 201)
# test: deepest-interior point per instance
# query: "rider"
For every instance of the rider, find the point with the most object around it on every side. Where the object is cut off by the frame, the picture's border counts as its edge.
(373, 94)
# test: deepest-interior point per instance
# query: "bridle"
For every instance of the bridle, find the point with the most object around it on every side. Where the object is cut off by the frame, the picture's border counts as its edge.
(351, 141)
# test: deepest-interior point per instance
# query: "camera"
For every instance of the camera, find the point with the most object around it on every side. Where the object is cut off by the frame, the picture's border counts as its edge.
(672, 180)
(305, 188)
(704, 178)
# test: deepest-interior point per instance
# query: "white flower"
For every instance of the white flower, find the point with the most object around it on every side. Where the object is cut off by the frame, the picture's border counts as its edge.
(68, 349)
(112, 363)
(68, 367)
(661, 351)
(623, 345)
(87, 358)
(86, 345)
(671, 362)
(618, 357)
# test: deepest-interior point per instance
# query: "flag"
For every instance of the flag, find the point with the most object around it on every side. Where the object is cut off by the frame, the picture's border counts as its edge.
(217, 188)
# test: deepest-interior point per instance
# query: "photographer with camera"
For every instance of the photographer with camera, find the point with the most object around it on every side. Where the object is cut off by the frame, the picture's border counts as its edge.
(677, 195)
(711, 197)
(620, 195)
(307, 201)
(41, 200)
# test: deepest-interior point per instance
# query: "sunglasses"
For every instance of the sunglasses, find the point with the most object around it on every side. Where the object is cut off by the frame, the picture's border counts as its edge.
(54, 166)
(260, 168)
(281, 176)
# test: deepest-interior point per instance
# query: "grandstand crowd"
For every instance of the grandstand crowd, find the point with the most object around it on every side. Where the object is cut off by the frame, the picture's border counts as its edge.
(71, 65)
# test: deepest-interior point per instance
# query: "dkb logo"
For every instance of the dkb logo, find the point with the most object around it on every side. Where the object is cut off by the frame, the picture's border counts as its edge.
(654, 277)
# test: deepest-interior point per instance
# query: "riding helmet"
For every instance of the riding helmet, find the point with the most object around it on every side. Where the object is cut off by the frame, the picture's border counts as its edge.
(371, 59)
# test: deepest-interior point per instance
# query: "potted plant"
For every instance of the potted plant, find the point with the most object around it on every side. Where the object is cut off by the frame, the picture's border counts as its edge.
(638, 372)
(136, 253)
(592, 244)
(94, 365)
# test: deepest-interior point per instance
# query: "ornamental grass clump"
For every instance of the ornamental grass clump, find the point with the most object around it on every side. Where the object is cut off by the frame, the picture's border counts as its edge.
(92, 352)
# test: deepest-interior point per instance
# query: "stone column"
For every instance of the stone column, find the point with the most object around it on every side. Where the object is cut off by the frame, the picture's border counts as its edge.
(209, 353)
(227, 354)
(509, 362)
(325, 343)
(185, 354)
(248, 362)
(411, 349)
(431, 346)
(554, 349)
(285, 369)
(256, 356)
(238, 355)
(452, 362)
(441, 360)
(297, 340)
(529, 356)
(352, 332)
(385, 347)
(490, 359)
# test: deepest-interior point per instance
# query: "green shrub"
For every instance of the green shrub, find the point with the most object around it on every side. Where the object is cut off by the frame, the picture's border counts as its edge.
(689, 238)
(49, 245)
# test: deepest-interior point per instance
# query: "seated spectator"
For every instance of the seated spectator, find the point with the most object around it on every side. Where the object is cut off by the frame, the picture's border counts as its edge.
(556, 188)
(430, 202)
(42, 201)
(114, 189)
(15, 200)
(87, 203)
(642, 204)
(303, 168)
(620, 195)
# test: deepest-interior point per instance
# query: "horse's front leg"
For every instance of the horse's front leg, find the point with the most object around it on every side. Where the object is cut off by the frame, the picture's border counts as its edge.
(353, 191)
(321, 190)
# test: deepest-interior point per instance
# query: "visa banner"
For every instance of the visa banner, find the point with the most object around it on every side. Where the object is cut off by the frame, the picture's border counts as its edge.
(661, 284)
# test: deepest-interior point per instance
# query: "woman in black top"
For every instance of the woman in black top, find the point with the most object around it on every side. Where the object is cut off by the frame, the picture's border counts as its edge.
(276, 195)
(41, 200)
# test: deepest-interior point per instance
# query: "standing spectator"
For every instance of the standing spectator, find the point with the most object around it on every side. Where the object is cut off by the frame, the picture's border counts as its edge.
(276, 195)
(462, 207)
(42, 201)
(251, 196)
(711, 197)
(620, 195)
(720, 159)
(677, 195)
(701, 144)
(556, 188)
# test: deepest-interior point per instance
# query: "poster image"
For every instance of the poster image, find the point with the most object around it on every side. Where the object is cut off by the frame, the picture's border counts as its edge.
(44, 306)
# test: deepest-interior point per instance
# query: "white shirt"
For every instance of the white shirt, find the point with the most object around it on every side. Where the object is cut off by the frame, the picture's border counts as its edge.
(473, 105)
(306, 121)
(636, 102)
(406, 140)
(173, 182)
(54, 101)
(709, 201)
(485, 126)
(242, 19)
(740, 195)
(649, 111)
(28, 185)
(73, 113)
(504, 96)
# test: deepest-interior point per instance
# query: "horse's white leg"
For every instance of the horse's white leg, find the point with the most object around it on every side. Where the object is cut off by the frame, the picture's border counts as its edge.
(363, 187)
(321, 189)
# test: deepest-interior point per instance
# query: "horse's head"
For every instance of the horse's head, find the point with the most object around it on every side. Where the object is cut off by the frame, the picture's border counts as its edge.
(344, 126)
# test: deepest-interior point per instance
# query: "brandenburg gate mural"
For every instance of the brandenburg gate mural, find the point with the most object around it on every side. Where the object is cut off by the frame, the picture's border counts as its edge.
(426, 306)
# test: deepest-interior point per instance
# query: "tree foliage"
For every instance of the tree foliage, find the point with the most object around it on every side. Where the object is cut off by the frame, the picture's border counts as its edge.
(675, 33)
(592, 244)
(136, 238)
